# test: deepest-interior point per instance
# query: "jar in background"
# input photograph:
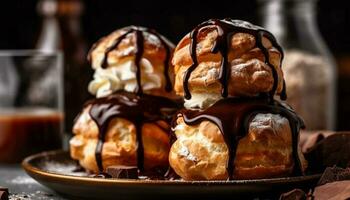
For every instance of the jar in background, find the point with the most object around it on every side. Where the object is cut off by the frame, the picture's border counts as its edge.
(308, 66)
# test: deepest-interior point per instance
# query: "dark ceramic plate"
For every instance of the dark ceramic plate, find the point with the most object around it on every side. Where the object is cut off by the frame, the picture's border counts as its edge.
(56, 170)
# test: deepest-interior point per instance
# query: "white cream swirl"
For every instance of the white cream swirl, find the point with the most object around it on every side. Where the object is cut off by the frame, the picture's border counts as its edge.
(123, 76)
(201, 100)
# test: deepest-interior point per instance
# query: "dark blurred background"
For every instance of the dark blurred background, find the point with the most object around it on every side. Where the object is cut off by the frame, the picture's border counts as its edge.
(21, 25)
(20, 22)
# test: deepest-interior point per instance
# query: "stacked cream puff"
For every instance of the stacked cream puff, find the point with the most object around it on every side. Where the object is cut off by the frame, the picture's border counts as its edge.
(200, 151)
(228, 72)
(127, 102)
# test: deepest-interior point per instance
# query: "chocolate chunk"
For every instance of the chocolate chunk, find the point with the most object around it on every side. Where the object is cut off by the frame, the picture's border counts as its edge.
(157, 173)
(4, 189)
(4, 193)
(329, 152)
(296, 194)
(127, 172)
(332, 174)
(334, 190)
(308, 139)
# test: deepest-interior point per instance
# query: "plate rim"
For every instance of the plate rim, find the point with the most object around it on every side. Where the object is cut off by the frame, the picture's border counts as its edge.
(34, 172)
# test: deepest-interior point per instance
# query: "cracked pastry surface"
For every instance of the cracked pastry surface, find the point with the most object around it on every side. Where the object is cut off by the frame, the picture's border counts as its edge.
(119, 72)
(120, 143)
(200, 153)
(250, 75)
(127, 124)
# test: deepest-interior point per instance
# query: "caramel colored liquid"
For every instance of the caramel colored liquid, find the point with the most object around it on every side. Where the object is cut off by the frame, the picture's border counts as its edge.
(27, 131)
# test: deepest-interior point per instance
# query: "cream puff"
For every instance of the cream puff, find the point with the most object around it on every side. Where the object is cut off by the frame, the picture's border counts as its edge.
(123, 129)
(132, 59)
(128, 124)
(251, 64)
(239, 139)
(232, 128)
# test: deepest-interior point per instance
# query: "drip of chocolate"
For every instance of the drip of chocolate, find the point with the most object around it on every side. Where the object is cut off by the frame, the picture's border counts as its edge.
(226, 28)
(139, 38)
(137, 108)
(138, 56)
(233, 115)
(130, 106)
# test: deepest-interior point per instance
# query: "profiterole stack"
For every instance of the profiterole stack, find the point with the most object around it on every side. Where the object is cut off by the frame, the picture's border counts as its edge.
(228, 72)
(127, 126)
(231, 127)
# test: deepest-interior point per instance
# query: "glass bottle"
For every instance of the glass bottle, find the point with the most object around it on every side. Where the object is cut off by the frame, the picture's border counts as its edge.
(308, 66)
(62, 30)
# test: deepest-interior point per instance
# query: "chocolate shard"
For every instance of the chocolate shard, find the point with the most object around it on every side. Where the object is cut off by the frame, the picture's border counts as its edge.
(334, 190)
(4, 193)
(332, 174)
(296, 194)
(125, 172)
(157, 173)
(329, 152)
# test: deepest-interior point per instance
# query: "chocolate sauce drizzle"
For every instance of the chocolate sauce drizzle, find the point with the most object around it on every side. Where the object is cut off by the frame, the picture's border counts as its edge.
(139, 49)
(233, 115)
(137, 109)
(226, 28)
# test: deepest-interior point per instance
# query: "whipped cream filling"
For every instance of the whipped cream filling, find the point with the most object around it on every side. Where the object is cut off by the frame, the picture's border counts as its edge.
(201, 100)
(123, 76)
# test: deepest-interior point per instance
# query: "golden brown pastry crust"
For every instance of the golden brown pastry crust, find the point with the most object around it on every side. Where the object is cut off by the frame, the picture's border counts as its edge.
(249, 73)
(153, 48)
(120, 143)
(200, 153)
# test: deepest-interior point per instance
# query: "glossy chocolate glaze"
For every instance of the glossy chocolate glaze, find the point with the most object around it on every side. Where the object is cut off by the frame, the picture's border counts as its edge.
(139, 49)
(138, 109)
(226, 28)
(233, 115)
